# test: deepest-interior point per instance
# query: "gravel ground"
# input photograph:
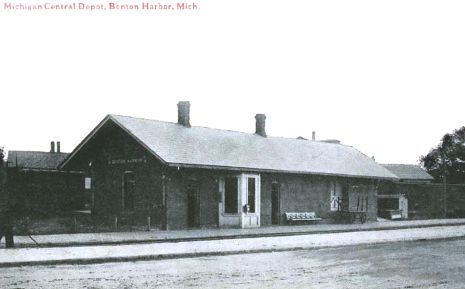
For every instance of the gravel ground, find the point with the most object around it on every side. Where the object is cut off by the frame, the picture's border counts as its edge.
(438, 264)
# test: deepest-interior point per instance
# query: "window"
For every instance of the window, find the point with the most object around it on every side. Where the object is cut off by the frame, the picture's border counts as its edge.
(128, 191)
(87, 183)
(230, 195)
(88, 193)
(335, 196)
(251, 194)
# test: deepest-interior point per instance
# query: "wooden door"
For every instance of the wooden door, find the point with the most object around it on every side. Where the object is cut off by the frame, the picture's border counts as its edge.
(193, 205)
(275, 205)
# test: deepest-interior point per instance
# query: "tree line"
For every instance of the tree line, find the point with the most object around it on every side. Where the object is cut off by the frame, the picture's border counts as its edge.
(446, 161)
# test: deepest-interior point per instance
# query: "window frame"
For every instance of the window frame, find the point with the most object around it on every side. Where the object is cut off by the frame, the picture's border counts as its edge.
(254, 209)
(335, 193)
(237, 198)
(123, 192)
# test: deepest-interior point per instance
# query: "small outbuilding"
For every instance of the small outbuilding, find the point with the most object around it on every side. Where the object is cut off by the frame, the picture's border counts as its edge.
(393, 197)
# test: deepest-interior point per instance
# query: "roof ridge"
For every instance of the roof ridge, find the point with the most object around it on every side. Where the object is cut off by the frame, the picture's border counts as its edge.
(400, 165)
(229, 130)
(23, 151)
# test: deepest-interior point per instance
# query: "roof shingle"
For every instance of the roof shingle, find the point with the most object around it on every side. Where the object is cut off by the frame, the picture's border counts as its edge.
(408, 172)
(35, 160)
(207, 147)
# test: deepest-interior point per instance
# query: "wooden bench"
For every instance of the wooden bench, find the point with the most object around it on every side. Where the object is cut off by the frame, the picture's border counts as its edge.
(298, 217)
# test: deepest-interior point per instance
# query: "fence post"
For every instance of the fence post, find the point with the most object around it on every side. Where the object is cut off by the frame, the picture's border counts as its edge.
(75, 224)
(116, 223)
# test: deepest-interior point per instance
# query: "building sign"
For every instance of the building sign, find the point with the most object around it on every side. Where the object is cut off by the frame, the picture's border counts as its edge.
(87, 183)
(127, 161)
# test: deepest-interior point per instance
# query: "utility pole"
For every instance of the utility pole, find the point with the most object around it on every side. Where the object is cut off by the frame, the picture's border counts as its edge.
(444, 182)
(6, 220)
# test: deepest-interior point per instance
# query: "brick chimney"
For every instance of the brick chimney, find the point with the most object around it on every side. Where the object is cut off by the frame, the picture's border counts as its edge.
(52, 147)
(58, 146)
(184, 113)
(260, 124)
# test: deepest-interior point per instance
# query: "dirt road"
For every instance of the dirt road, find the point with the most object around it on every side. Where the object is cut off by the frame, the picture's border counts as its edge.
(437, 264)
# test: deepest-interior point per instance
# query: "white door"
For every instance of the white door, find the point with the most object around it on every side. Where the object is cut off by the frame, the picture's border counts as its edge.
(239, 204)
(336, 196)
(250, 201)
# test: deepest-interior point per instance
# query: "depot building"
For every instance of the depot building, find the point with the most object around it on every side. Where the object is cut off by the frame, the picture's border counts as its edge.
(184, 176)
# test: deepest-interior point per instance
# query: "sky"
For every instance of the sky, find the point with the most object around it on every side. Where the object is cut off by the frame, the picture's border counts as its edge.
(387, 77)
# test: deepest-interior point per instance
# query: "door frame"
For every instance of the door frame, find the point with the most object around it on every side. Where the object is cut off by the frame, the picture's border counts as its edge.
(193, 207)
(276, 214)
(125, 181)
(250, 219)
(240, 218)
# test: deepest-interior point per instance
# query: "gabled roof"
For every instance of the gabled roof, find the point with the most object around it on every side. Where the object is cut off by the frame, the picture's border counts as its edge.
(35, 160)
(408, 172)
(176, 145)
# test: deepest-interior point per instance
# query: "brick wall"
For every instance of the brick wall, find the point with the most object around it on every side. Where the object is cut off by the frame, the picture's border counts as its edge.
(309, 193)
(207, 181)
(298, 193)
(105, 159)
(176, 202)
